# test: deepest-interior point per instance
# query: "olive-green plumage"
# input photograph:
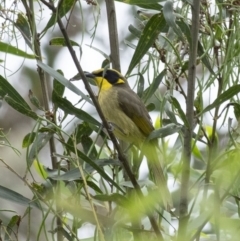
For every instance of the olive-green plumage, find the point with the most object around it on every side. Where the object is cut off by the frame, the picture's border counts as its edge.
(130, 119)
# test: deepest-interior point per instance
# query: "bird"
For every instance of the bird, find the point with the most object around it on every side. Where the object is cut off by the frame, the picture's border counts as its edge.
(130, 120)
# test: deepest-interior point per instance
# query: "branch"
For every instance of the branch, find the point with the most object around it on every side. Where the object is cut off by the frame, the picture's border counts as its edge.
(113, 35)
(186, 157)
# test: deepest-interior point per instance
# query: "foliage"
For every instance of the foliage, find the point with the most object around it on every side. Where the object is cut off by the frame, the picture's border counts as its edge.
(90, 181)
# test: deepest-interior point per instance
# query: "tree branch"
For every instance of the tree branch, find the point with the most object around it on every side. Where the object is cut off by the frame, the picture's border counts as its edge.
(186, 157)
(113, 35)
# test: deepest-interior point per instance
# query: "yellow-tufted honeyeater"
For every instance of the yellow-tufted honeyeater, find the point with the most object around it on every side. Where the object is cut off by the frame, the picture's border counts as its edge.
(130, 120)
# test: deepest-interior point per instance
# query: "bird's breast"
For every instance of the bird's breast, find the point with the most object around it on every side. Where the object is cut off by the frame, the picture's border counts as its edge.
(123, 127)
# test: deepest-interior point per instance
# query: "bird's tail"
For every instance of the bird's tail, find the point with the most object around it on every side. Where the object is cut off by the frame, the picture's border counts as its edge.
(157, 173)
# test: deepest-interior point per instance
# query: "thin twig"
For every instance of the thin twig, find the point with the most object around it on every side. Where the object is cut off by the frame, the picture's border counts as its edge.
(186, 157)
(121, 156)
(113, 35)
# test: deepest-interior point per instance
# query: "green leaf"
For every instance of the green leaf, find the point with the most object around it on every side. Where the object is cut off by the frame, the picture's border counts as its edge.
(170, 113)
(93, 166)
(228, 94)
(7, 89)
(7, 48)
(13, 196)
(136, 32)
(58, 88)
(63, 80)
(164, 131)
(87, 143)
(28, 139)
(170, 18)
(15, 221)
(154, 86)
(75, 174)
(115, 197)
(152, 29)
(185, 29)
(134, 2)
(15, 100)
(62, 42)
(62, 10)
(236, 107)
(204, 57)
(94, 186)
(182, 115)
(40, 141)
(81, 130)
(20, 108)
(153, 4)
(34, 100)
(22, 25)
(68, 108)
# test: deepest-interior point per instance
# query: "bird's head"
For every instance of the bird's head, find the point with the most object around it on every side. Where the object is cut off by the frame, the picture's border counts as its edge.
(106, 78)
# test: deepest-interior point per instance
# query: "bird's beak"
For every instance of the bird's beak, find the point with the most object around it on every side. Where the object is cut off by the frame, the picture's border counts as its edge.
(89, 75)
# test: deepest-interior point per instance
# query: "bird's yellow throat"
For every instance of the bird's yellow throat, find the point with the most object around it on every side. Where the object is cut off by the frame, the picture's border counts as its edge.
(103, 84)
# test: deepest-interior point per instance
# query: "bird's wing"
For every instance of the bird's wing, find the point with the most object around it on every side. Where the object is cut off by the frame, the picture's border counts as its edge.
(134, 108)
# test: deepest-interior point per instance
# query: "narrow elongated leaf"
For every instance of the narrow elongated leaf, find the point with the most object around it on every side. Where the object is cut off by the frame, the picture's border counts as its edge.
(164, 131)
(153, 27)
(149, 5)
(22, 25)
(63, 81)
(20, 108)
(75, 174)
(68, 108)
(180, 111)
(134, 2)
(15, 100)
(152, 4)
(94, 186)
(154, 86)
(185, 30)
(15, 221)
(62, 10)
(115, 197)
(94, 165)
(28, 139)
(7, 89)
(228, 94)
(40, 141)
(236, 107)
(204, 57)
(144, 4)
(136, 32)
(62, 42)
(13, 196)
(170, 18)
(9, 49)
(58, 88)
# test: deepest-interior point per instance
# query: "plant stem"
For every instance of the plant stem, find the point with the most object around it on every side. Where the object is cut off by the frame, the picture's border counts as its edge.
(113, 35)
(186, 157)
